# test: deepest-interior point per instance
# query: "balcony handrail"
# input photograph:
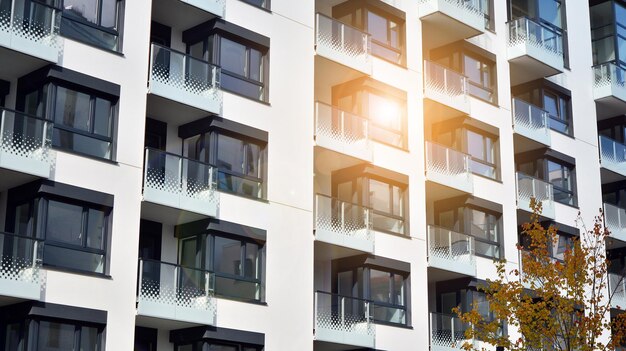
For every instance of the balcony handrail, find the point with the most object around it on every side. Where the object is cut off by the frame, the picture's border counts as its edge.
(339, 200)
(175, 265)
(345, 24)
(344, 296)
(183, 54)
(545, 114)
(445, 68)
(452, 231)
(606, 73)
(549, 188)
(364, 119)
(466, 157)
(27, 115)
(430, 66)
(527, 23)
(147, 148)
(19, 236)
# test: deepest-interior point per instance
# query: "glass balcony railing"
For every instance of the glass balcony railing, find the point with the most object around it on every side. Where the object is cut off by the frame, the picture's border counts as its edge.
(615, 221)
(525, 31)
(451, 251)
(612, 155)
(21, 275)
(531, 121)
(31, 27)
(342, 43)
(176, 181)
(25, 143)
(342, 131)
(343, 223)
(175, 292)
(216, 7)
(343, 319)
(448, 167)
(464, 11)
(529, 187)
(446, 332)
(445, 86)
(609, 75)
(617, 289)
(183, 78)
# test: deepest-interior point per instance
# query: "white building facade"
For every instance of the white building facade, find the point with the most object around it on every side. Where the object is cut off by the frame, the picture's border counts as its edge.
(186, 175)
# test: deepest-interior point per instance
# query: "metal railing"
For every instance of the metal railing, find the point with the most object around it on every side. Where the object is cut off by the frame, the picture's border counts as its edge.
(614, 218)
(446, 331)
(451, 246)
(609, 74)
(40, 24)
(175, 285)
(21, 259)
(26, 136)
(179, 176)
(525, 31)
(529, 187)
(348, 42)
(612, 154)
(446, 161)
(184, 72)
(343, 218)
(442, 80)
(530, 118)
(342, 126)
(343, 314)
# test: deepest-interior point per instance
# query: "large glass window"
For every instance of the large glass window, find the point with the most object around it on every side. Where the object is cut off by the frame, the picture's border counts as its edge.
(53, 335)
(83, 122)
(561, 178)
(480, 77)
(95, 22)
(484, 226)
(482, 151)
(558, 109)
(74, 234)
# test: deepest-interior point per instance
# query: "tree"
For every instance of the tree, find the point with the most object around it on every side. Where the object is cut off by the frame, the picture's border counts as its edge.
(555, 304)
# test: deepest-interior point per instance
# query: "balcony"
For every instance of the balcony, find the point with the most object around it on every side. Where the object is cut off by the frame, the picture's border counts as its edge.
(617, 287)
(178, 182)
(342, 131)
(531, 122)
(615, 221)
(181, 78)
(447, 332)
(21, 275)
(343, 320)
(534, 51)
(173, 292)
(344, 224)
(32, 28)
(451, 251)
(529, 187)
(343, 44)
(447, 21)
(609, 89)
(216, 7)
(447, 90)
(612, 155)
(25, 143)
(448, 167)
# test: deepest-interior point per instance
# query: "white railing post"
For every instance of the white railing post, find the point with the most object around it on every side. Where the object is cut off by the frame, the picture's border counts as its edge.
(342, 312)
(2, 121)
(182, 174)
(450, 243)
(176, 274)
(343, 215)
(145, 168)
(445, 81)
(140, 276)
(152, 47)
(35, 246)
(452, 334)
(447, 159)
(342, 123)
(315, 307)
(342, 36)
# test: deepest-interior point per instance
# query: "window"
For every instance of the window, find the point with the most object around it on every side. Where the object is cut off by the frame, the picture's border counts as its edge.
(240, 160)
(487, 7)
(237, 263)
(553, 99)
(556, 249)
(83, 121)
(562, 180)
(485, 226)
(244, 68)
(386, 28)
(75, 234)
(558, 109)
(96, 22)
(53, 335)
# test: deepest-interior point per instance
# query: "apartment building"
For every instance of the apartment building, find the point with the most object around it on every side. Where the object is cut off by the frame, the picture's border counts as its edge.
(186, 175)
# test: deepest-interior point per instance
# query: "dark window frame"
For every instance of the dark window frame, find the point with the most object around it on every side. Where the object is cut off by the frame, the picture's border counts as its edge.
(117, 32)
(29, 331)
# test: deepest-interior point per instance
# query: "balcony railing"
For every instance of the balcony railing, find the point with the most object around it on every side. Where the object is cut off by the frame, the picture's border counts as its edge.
(179, 182)
(446, 332)
(34, 31)
(216, 7)
(342, 43)
(21, 275)
(344, 320)
(445, 86)
(617, 288)
(185, 79)
(531, 121)
(468, 12)
(25, 143)
(612, 155)
(175, 292)
(448, 167)
(529, 187)
(342, 223)
(342, 131)
(524, 31)
(451, 251)
(609, 80)
(615, 221)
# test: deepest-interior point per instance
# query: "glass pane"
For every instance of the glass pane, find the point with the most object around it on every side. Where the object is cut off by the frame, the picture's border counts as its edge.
(215, 347)
(109, 14)
(55, 336)
(251, 269)
(555, 175)
(550, 11)
(197, 50)
(483, 225)
(81, 143)
(12, 338)
(81, 260)
(185, 348)
(397, 202)
(475, 145)
(239, 185)
(102, 119)
(230, 154)
(388, 314)
(72, 109)
(380, 196)
(472, 69)
(233, 57)
(237, 288)
(384, 112)
(22, 218)
(88, 339)
(86, 10)
(256, 67)
(227, 256)
(446, 220)
(379, 286)
(240, 86)
(64, 223)
(95, 229)
(398, 288)
(189, 254)
(550, 104)
(253, 161)
(345, 284)
(377, 27)
(86, 33)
